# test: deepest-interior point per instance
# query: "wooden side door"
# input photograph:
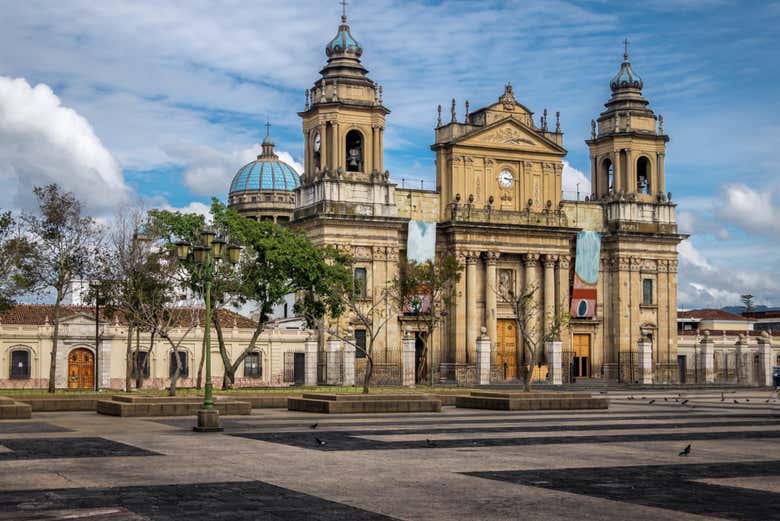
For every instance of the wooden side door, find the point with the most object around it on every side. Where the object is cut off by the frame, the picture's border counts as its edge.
(506, 348)
(581, 355)
(81, 369)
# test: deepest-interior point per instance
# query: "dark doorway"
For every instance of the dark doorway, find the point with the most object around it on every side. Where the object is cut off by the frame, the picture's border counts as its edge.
(420, 359)
(681, 367)
(299, 368)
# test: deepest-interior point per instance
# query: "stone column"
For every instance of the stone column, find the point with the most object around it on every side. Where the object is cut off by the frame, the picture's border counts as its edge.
(483, 358)
(471, 306)
(335, 153)
(707, 358)
(333, 364)
(554, 362)
(310, 350)
(617, 183)
(380, 162)
(491, 289)
(348, 362)
(532, 322)
(764, 377)
(645, 353)
(408, 366)
(549, 289)
(459, 315)
(562, 295)
(324, 158)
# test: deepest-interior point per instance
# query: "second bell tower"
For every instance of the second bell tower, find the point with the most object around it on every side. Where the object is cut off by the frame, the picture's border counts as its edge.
(344, 117)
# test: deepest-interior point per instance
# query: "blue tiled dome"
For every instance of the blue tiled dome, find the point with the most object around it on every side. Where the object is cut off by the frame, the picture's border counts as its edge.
(343, 42)
(626, 77)
(267, 172)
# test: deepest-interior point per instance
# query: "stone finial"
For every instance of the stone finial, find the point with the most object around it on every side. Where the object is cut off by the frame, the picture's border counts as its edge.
(307, 98)
(660, 124)
(669, 196)
(557, 121)
(381, 95)
(438, 119)
(452, 110)
(466, 119)
(593, 129)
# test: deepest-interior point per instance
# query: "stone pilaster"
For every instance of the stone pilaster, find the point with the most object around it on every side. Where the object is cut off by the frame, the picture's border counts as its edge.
(645, 354)
(549, 289)
(554, 362)
(310, 350)
(332, 351)
(459, 316)
(707, 359)
(562, 294)
(491, 259)
(348, 363)
(741, 348)
(531, 261)
(483, 358)
(408, 366)
(765, 359)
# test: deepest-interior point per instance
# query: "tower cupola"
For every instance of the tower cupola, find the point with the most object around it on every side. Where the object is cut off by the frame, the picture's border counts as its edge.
(626, 78)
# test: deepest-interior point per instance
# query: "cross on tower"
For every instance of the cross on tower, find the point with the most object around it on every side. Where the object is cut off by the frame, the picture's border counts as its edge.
(625, 47)
(267, 128)
(343, 10)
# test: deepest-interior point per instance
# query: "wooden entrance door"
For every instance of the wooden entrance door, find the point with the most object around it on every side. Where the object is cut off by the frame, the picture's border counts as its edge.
(506, 348)
(81, 369)
(581, 360)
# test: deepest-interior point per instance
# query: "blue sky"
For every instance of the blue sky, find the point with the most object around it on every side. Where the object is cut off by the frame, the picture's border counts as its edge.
(165, 101)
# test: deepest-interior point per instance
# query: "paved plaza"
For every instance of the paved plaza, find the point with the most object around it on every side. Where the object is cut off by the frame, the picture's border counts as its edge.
(461, 464)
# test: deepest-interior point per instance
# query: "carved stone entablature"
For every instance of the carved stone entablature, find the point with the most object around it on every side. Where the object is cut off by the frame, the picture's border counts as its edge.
(362, 252)
(392, 254)
(636, 263)
(621, 263)
(489, 161)
(343, 248)
(468, 160)
(458, 160)
(672, 266)
(550, 260)
(531, 259)
(547, 166)
(564, 261)
(649, 265)
(528, 165)
(491, 257)
(379, 252)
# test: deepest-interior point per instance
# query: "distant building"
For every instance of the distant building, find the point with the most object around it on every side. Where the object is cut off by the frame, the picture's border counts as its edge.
(764, 320)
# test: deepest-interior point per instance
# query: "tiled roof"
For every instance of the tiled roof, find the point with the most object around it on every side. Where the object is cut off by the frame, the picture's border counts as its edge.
(721, 332)
(711, 314)
(40, 314)
(772, 313)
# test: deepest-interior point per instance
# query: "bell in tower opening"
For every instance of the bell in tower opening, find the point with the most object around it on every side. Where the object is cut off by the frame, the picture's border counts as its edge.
(354, 151)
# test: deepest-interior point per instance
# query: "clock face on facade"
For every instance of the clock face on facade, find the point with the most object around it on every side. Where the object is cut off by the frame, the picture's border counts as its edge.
(316, 141)
(505, 178)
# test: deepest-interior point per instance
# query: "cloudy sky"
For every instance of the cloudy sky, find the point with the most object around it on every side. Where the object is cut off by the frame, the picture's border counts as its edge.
(164, 101)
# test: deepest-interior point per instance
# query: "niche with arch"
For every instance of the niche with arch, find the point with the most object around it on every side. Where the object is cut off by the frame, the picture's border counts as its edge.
(354, 151)
(608, 176)
(643, 175)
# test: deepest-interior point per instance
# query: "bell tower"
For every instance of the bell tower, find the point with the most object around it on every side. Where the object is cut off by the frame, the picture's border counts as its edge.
(344, 116)
(628, 143)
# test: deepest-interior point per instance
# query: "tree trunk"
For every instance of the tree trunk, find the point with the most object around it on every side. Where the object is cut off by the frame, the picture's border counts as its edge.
(199, 382)
(177, 372)
(369, 372)
(129, 359)
(55, 341)
(139, 371)
(228, 375)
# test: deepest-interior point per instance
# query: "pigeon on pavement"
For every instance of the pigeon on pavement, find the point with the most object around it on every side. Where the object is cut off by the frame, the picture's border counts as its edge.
(685, 451)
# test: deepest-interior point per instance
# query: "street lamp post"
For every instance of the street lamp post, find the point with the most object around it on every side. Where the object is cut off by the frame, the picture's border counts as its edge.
(205, 256)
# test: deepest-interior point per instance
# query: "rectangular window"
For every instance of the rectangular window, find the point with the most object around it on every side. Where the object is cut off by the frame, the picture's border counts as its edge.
(253, 365)
(647, 292)
(184, 372)
(361, 286)
(360, 343)
(140, 362)
(20, 364)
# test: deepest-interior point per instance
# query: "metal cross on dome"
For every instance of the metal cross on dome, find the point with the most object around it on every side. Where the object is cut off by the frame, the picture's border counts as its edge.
(267, 128)
(343, 9)
(625, 44)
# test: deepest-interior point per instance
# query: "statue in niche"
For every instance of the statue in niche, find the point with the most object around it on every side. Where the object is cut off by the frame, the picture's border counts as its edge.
(505, 283)
(354, 157)
(354, 151)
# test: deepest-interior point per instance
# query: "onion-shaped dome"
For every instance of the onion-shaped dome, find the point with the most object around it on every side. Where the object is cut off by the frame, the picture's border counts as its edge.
(343, 42)
(267, 172)
(626, 77)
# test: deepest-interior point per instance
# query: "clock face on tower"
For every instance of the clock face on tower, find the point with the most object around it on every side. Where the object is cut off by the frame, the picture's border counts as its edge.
(316, 142)
(505, 178)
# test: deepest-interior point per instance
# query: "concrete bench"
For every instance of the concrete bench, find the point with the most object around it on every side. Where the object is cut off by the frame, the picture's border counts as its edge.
(13, 410)
(531, 401)
(361, 403)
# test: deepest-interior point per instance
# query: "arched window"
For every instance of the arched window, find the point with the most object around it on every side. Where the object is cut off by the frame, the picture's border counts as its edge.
(354, 144)
(609, 175)
(253, 365)
(20, 363)
(643, 175)
(184, 372)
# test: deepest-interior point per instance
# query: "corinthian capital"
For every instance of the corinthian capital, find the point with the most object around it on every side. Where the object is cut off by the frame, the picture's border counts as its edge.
(531, 259)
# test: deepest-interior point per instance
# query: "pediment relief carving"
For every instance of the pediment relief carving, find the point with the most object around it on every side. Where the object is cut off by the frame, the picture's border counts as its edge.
(506, 135)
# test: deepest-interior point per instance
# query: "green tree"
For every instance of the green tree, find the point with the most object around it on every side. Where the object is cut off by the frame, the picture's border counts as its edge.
(275, 262)
(747, 301)
(17, 259)
(66, 246)
(425, 291)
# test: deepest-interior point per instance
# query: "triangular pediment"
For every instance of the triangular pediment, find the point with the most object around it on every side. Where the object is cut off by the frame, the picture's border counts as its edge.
(511, 134)
(78, 319)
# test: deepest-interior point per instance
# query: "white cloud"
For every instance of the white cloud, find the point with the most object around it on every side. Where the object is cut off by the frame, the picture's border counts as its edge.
(752, 210)
(43, 142)
(690, 255)
(575, 181)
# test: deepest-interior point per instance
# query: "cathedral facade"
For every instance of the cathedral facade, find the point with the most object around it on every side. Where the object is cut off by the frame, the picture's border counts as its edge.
(608, 262)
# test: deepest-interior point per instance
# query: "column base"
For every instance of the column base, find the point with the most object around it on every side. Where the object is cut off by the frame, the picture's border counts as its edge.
(208, 421)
